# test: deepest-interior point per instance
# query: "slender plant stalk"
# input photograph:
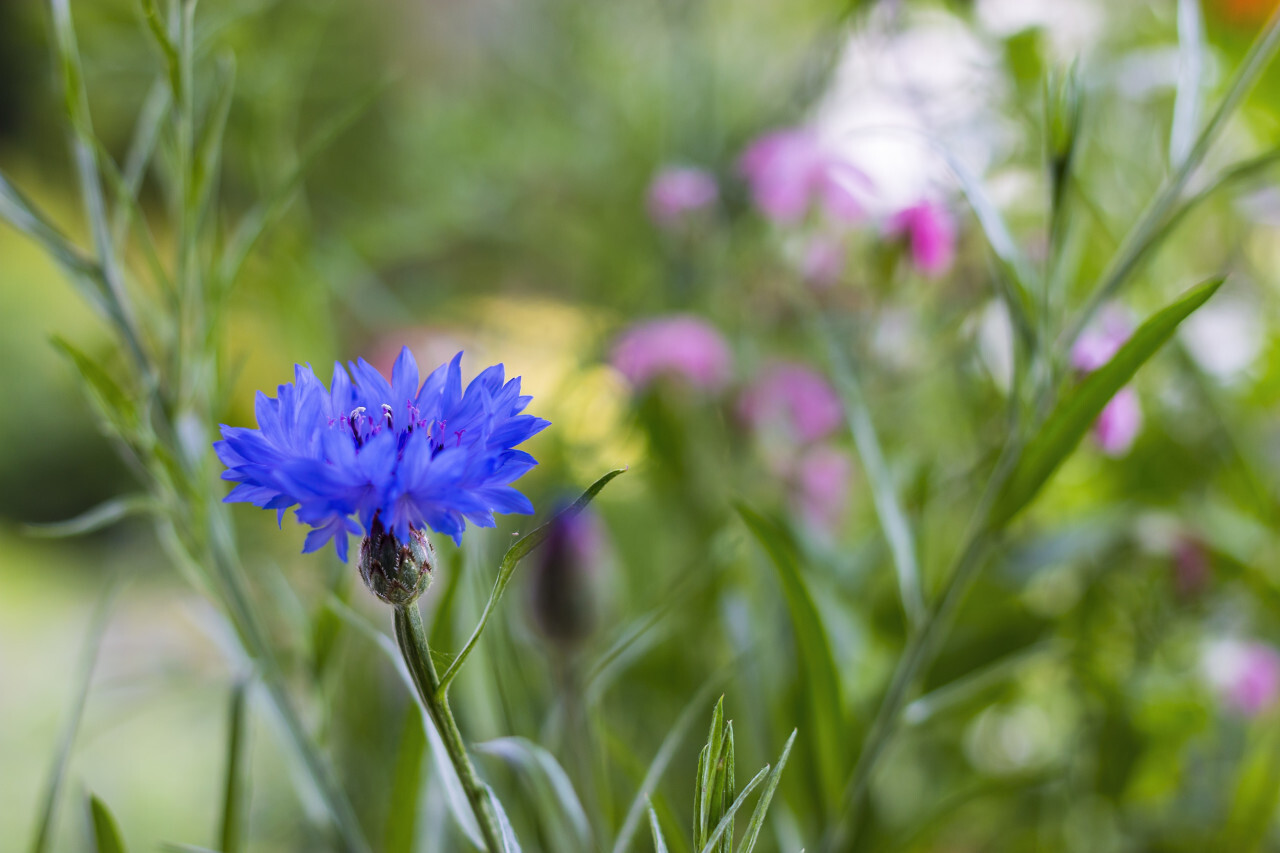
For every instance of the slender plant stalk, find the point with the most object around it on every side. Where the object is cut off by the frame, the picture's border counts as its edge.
(417, 656)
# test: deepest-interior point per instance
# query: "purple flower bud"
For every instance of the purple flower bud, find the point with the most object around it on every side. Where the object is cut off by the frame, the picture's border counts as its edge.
(1246, 675)
(792, 399)
(563, 594)
(930, 232)
(680, 345)
(397, 572)
(676, 192)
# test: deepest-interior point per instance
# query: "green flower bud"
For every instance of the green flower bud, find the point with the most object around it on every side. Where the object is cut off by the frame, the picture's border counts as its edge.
(396, 572)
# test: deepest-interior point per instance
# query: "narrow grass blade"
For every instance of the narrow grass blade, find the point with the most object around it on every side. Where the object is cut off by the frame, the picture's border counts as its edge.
(708, 759)
(100, 517)
(971, 684)
(550, 785)
(402, 811)
(106, 834)
(726, 823)
(893, 521)
(514, 555)
(454, 794)
(1186, 103)
(510, 844)
(659, 842)
(1080, 407)
(818, 670)
(62, 755)
(22, 213)
(232, 827)
(659, 764)
(766, 796)
(146, 132)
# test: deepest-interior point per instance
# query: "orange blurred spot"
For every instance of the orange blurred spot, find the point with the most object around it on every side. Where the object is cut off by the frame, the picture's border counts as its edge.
(1244, 11)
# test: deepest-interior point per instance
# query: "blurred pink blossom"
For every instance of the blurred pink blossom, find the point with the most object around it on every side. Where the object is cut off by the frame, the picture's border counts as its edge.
(790, 169)
(823, 261)
(1191, 567)
(678, 345)
(678, 191)
(1098, 343)
(1120, 421)
(1119, 424)
(821, 484)
(930, 231)
(1245, 674)
(794, 399)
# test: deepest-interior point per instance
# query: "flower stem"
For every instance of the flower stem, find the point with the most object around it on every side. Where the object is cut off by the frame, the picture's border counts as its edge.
(417, 656)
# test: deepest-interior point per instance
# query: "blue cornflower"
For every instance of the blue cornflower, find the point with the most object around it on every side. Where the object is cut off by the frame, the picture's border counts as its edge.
(375, 455)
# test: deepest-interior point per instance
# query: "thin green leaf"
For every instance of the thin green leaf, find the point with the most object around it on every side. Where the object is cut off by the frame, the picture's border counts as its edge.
(972, 683)
(726, 823)
(116, 407)
(514, 555)
(169, 50)
(893, 521)
(234, 794)
(818, 669)
(708, 759)
(454, 795)
(659, 843)
(510, 844)
(100, 517)
(106, 834)
(1186, 102)
(66, 740)
(666, 751)
(208, 153)
(22, 214)
(402, 811)
(142, 146)
(762, 806)
(550, 785)
(1079, 408)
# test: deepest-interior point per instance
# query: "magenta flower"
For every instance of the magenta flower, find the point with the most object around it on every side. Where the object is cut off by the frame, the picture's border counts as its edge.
(821, 485)
(1098, 343)
(680, 345)
(1121, 420)
(1246, 675)
(1119, 424)
(930, 232)
(676, 192)
(790, 170)
(791, 399)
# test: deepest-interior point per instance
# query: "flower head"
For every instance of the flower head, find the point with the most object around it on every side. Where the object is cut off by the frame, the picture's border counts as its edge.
(931, 234)
(1245, 674)
(1100, 341)
(821, 487)
(790, 170)
(374, 454)
(792, 398)
(1120, 421)
(564, 578)
(678, 191)
(678, 345)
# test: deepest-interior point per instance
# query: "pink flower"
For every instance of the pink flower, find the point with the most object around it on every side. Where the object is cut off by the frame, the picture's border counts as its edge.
(931, 234)
(1098, 343)
(794, 399)
(1121, 420)
(1245, 675)
(1119, 424)
(679, 345)
(821, 485)
(790, 169)
(678, 191)
(1191, 568)
(823, 262)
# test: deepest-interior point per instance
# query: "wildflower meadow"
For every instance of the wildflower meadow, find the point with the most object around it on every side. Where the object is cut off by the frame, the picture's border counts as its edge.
(654, 425)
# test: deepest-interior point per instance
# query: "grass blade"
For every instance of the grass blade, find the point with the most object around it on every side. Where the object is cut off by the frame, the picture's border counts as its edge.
(510, 844)
(1186, 103)
(818, 669)
(235, 796)
(726, 822)
(659, 843)
(550, 784)
(514, 555)
(1079, 408)
(100, 517)
(762, 807)
(106, 834)
(659, 764)
(402, 811)
(893, 521)
(62, 755)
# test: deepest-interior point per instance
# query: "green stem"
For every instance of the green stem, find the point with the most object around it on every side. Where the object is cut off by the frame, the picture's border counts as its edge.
(417, 656)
